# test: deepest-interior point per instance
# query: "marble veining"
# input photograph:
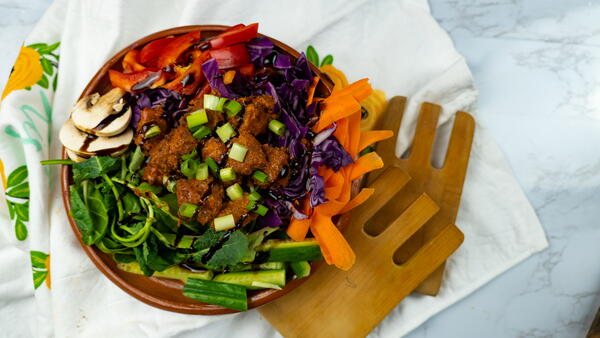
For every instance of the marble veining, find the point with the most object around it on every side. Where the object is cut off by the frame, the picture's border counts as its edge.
(536, 64)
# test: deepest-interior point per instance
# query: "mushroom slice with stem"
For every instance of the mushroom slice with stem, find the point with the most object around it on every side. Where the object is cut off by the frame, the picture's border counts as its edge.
(84, 144)
(102, 115)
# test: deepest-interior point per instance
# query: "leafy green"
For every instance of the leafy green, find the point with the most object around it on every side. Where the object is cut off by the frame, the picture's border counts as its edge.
(208, 239)
(92, 220)
(254, 240)
(327, 60)
(158, 257)
(124, 257)
(171, 200)
(94, 167)
(165, 219)
(232, 251)
(312, 56)
(131, 204)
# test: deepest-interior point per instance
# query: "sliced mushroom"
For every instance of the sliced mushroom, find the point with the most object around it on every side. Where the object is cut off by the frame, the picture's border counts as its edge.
(102, 115)
(84, 144)
(73, 156)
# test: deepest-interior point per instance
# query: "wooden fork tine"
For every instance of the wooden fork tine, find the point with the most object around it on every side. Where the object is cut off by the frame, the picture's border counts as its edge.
(459, 147)
(420, 153)
(390, 121)
(406, 224)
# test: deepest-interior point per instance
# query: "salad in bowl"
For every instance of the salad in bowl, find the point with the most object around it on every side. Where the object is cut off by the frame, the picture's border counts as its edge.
(214, 161)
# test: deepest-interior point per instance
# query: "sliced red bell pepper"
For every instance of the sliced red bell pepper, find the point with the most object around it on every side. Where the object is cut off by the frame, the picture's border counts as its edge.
(176, 47)
(234, 27)
(136, 81)
(131, 62)
(247, 69)
(231, 56)
(188, 78)
(233, 36)
(151, 52)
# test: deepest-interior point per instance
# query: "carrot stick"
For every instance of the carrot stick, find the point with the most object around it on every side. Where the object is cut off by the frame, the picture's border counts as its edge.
(311, 90)
(298, 228)
(365, 164)
(331, 208)
(325, 172)
(334, 186)
(354, 134)
(334, 246)
(360, 90)
(371, 136)
(335, 109)
(341, 132)
(359, 199)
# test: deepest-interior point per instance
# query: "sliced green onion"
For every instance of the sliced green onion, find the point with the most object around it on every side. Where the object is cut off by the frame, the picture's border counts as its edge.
(171, 186)
(213, 102)
(189, 167)
(261, 210)
(227, 174)
(260, 176)
(52, 162)
(254, 196)
(212, 165)
(136, 159)
(153, 131)
(196, 119)
(224, 222)
(250, 205)
(232, 108)
(202, 172)
(187, 210)
(238, 152)
(225, 132)
(277, 127)
(202, 132)
(235, 192)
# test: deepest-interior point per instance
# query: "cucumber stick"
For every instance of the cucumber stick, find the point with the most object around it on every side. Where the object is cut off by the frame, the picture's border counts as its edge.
(271, 266)
(290, 251)
(301, 269)
(247, 278)
(173, 272)
(227, 295)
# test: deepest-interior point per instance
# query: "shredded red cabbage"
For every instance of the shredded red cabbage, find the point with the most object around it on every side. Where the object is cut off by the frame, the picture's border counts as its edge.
(173, 103)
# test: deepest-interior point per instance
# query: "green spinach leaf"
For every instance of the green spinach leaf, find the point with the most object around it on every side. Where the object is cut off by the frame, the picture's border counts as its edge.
(81, 214)
(158, 257)
(94, 167)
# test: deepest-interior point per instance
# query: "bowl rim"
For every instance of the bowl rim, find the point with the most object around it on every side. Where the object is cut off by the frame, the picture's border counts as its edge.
(256, 300)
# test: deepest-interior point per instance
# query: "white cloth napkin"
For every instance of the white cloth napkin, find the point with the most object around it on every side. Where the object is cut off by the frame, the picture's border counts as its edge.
(397, 44)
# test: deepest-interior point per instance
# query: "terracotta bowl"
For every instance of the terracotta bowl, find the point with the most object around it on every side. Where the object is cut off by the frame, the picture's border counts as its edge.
(159, 292)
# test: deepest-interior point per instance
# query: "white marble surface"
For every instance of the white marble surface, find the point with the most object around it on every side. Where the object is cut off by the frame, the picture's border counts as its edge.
(536, 64)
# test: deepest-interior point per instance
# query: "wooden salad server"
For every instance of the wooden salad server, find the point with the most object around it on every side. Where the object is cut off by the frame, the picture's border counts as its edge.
(409, 219)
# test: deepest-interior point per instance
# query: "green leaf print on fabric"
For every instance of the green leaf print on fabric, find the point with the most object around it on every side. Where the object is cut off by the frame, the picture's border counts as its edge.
(32, 133)
(40, 262)
(17, 188)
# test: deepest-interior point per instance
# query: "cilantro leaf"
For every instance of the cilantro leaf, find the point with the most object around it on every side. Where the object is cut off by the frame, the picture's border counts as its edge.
(208, 239)
(232, 251)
